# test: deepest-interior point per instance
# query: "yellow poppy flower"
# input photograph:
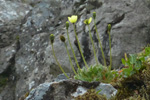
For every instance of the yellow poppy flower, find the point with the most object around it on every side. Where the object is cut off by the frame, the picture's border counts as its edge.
(73, 18)
(88, 21)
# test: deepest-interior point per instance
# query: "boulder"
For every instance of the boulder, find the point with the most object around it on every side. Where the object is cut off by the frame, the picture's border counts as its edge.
(11, 14)
(67, 90)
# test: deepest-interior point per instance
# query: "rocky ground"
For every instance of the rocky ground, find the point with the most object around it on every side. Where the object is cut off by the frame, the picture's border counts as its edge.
(26, 60)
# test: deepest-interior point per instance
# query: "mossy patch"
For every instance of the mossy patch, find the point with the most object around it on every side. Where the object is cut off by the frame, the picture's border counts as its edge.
(3, 81)
(91, 95)
(136, 87)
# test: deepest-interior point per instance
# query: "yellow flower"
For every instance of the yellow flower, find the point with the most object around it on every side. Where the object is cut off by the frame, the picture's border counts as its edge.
(73, 18)
(88, 21)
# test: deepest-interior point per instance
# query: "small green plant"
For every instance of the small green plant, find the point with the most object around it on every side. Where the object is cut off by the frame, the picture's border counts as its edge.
(97, 73)
(135, 62)
(136, 86)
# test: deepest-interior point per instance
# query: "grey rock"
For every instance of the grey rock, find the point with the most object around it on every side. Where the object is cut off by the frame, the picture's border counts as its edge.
(7, 70)
(46, 14)
(67, 89)
(33, 68)
(58, 90)
(11, 14)
(147, 2)
(128, 34)
(7, 56)
(61, 77)
(79, 91)
(12, 11)
(39, 92)
(106, 89)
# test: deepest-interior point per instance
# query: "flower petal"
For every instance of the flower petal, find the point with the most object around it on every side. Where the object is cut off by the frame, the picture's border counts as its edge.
(90, 19)
(74, 18)
(69, 18)
(86, 21)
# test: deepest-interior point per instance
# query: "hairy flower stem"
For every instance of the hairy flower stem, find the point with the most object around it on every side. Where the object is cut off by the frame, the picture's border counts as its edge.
(70, 59)
(92, 44)
(58, 62)
(100, 43)
(73, 51)
(79, 46)
(110, 51)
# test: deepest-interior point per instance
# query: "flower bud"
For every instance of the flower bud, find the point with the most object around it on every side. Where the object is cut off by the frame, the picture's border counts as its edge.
(109, 27)
(62, 38)
(94, 15)
(52, 38)
(67, 25)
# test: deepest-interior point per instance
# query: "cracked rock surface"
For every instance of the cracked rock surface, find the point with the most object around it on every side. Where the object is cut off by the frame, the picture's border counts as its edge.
(28, 62)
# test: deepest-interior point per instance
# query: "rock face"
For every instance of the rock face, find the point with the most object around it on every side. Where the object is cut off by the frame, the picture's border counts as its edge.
(30, 60)
(11, 14)
(67, 89)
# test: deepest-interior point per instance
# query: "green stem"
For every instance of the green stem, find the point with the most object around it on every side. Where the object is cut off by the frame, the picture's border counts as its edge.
(70, 59)
(100, 43)
(110, 50)
(58, 62)
(73, 51)
(79, 46)
(93, 45)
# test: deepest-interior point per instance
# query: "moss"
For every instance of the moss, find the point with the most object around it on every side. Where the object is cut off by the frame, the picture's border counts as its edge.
(136, 87)
(3, 81)
(91, 95)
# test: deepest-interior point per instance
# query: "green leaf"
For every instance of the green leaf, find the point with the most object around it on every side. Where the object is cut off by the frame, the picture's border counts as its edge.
(138, 65)
(123, 61)
(142, 58)
(98, 91)
(132, 58)
(147, 51)
(127, 72)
